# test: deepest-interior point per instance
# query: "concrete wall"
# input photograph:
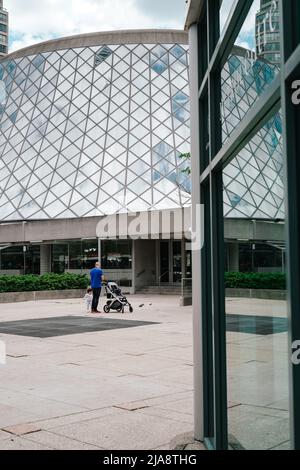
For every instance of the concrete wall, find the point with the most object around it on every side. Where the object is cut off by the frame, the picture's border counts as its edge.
(10, 272)
(12, 297)
(265, 294)
(145, 263)
(233, 252)
(86, 227)
(243, 229)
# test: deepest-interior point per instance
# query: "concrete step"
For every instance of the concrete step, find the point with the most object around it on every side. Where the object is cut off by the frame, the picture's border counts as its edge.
(159, 290)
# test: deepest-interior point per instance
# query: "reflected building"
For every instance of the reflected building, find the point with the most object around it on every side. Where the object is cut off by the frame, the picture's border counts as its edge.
(95, 125)
(268, 32)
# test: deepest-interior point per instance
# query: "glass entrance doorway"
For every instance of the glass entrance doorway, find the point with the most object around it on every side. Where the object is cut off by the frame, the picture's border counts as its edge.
(170, 262)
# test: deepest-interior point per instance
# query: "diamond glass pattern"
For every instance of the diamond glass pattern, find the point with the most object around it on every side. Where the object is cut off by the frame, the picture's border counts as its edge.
(89, 131)
(94, 130)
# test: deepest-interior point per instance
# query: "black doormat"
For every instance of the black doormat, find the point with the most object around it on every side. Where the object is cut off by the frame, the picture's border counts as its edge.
(69, 325)
(255, 324)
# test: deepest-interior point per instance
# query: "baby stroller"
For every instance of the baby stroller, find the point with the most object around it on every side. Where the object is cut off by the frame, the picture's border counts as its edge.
(115, 299)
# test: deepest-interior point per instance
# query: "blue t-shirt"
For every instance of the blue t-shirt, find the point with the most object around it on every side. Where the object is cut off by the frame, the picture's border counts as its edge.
(96, 278)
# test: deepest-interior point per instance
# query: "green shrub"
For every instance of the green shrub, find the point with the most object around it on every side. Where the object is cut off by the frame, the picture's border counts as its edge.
(49, 281)
(276, 281)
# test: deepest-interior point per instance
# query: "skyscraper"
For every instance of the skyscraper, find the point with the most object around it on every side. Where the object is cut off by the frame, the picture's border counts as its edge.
(267, 31)
(3, 30)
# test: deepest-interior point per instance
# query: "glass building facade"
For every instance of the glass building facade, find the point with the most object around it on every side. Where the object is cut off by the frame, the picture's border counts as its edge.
(246, 375)
(267, 31)
(97, 125)
(95, 130)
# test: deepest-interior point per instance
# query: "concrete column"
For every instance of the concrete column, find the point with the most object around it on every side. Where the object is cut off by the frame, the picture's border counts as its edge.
(196, 200)
(234, 258)
(45, 259)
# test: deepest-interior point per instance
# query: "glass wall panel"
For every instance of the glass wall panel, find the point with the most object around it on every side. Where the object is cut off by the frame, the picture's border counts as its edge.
(59, 258)
(32, 259)
(12, 259)
(104, 93)
(75, 255)
(177, 261)
(252, 65)
(116, 254)
(225, 12)
(257, 329)
(89, 253)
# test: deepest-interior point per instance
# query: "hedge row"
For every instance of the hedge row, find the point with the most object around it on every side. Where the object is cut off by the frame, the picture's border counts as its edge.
(276, 281)
(45, 282)
(30, 282)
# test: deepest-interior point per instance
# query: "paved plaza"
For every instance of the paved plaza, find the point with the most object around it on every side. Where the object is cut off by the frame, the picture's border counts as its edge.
(125, 381)
(119, 388)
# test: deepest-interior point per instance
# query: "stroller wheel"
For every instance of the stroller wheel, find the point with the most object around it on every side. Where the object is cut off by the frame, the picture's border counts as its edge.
(106, 308)
(120, 309)
(130, 309)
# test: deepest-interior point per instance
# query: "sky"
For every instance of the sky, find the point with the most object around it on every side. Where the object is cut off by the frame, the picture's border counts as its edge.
(33, 21)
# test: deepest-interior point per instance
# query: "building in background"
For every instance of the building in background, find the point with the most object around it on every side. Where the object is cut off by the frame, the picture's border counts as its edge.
(3, 30)
(96, 125)
(267, 31)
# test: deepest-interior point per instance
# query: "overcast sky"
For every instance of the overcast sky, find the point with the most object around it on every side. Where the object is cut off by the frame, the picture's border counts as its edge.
(33, 21)
(37, 20)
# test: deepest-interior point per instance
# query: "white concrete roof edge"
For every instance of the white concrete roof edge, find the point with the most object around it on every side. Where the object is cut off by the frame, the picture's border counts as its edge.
(131, 36)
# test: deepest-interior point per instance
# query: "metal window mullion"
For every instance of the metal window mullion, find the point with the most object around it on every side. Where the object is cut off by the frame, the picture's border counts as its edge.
(217, 235)
(217, 265)
(256, 117)
(207, 326)
(218, 269)
(223, 45)
(291, 125)
(292, 64)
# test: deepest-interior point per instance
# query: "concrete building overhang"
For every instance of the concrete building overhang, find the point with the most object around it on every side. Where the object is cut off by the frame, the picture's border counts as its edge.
(173, 223)
(194, 10)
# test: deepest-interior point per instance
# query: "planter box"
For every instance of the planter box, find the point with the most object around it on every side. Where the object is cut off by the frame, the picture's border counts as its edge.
(11, 297)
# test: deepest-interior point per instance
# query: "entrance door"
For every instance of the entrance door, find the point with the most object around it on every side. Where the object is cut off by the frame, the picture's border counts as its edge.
(177, 261)
(164, 262)
(170, 271)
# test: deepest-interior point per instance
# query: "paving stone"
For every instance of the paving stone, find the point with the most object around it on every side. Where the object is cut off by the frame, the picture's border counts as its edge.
(20, 429)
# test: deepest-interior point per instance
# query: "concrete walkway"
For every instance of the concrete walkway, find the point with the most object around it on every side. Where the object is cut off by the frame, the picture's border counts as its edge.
(132, 388)
(128, 388)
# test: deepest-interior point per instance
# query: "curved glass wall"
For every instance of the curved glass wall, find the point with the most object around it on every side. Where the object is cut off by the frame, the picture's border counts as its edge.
(97, 130)
(93, 131)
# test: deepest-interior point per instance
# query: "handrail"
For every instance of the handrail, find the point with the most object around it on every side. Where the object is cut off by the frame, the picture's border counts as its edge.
(159, 279)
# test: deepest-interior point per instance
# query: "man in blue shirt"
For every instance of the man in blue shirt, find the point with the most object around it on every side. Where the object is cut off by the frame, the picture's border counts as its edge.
(96, 283)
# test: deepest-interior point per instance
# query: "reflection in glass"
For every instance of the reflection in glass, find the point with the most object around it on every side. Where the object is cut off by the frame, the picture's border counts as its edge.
(116, 254)
(257, 343)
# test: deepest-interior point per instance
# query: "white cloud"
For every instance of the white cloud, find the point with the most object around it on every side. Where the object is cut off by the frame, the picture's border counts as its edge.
(34, 20)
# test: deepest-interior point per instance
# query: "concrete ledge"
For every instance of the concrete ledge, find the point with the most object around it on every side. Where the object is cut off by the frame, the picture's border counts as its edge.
(186, 301)
(11, 297)
(263, 294)
(267, 294)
